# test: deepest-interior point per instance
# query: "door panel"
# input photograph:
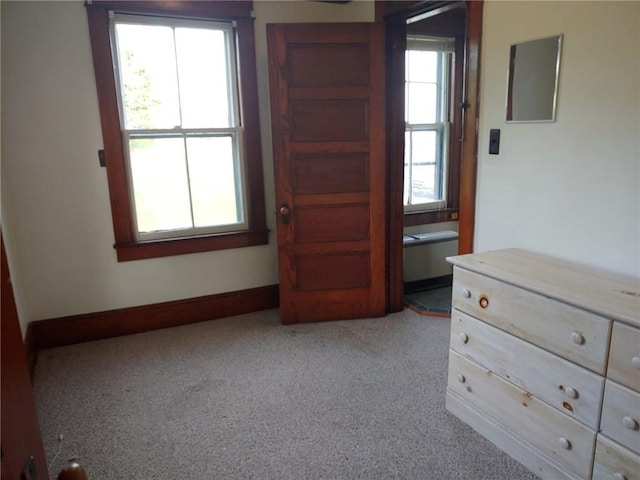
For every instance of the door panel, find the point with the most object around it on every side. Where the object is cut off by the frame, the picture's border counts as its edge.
(327, 109)
(342, 120)
(330, 173)
(333, 271)
(308, 62)
(331, 223)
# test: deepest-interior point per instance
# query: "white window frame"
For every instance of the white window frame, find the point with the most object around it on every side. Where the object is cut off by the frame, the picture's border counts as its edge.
(235, 130)
(445, 47)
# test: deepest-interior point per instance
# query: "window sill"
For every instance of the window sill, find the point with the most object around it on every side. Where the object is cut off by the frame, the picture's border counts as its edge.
(181, 246)
(431, 216)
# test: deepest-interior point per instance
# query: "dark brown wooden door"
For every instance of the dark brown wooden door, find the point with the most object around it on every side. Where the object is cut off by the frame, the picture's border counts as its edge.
(19, 425)
(327, 111)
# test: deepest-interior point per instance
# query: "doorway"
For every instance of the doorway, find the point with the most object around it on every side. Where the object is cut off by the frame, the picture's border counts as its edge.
(452, 31)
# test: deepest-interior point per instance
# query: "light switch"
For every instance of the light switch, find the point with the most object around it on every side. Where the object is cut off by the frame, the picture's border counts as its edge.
(494, 141)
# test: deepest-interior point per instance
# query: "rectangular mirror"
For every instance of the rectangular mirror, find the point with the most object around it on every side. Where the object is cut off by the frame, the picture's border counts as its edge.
(532, 89)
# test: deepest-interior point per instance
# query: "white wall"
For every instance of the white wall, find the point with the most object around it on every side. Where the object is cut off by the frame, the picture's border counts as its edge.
(55, 202)
(570, 188)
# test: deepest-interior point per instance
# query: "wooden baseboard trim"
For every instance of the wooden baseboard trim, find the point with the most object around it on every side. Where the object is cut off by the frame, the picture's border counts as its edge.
(32, 355)
(126, 321)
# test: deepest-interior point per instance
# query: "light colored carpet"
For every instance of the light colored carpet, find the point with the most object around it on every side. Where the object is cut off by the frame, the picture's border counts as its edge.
(247, 398)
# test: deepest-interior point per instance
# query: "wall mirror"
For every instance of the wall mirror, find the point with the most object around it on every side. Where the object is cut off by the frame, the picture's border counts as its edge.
(532, 90)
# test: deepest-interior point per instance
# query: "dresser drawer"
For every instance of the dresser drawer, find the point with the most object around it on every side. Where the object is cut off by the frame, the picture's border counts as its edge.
(570, 332)
(624, 356)
(621, 415)
(571, 389)
(614, 462)
(558, 436)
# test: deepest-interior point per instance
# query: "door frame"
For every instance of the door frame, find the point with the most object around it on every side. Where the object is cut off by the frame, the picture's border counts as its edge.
(395, 47)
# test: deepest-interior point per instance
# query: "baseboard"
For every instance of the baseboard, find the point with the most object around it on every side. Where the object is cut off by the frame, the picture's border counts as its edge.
(126, 321)
(31, 353)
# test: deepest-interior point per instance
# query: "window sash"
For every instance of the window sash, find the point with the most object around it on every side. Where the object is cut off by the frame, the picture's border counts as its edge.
(440, 164)
(441, 127)
(235, 130)
(239, 176)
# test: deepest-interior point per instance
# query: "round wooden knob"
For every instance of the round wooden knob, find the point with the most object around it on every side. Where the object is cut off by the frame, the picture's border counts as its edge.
(461, 378)
(564, 443)
(483, 301)
(73, 471)
(630, 423)
(635, 363)
(571, 392)
(577, 338)
(466, 293)
(619, 476)
(464, 338)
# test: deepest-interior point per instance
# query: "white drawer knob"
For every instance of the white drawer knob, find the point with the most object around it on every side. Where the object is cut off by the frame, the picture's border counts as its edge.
(577, 338)
(461, 378)
(564, 443)
(464, 338)
(630, 423)
(619, 476)
(466, 293)
(635, 362)
(571, 392)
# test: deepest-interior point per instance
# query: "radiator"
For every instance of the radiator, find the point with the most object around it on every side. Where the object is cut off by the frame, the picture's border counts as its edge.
(425, 253)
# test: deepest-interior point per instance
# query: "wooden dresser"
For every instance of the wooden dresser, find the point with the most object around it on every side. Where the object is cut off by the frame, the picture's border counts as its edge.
(544, 361)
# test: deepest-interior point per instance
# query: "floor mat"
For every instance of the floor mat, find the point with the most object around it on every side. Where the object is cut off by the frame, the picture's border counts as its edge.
(435, 301)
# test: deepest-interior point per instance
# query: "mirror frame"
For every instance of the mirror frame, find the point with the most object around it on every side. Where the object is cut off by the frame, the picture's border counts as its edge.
(510, 78)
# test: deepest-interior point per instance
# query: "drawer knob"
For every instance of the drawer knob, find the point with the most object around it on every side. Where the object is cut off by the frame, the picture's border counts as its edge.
(577, 338)
(571, 392)
(464, 338)
(461, 378)
(635, 362)
(630, 423)
(564, 443)
(619, 476)
(466, 293)
(484, 301)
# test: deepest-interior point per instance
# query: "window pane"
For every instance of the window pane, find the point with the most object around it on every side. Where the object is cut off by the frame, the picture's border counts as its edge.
(423, 147)
(213, 181)
(146, 57)
(204, 86)
(423, 66)
(421, 184)
(161, 191)
(422, 102)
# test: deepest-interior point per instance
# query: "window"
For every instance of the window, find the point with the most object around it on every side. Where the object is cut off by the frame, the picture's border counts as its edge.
(427, 99)
(178, 100)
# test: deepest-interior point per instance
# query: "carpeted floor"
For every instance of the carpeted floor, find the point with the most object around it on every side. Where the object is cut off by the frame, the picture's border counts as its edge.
(247, 398)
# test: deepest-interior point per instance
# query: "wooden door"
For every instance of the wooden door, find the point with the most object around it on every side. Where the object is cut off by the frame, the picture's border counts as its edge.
(327, 111)
(22, 451)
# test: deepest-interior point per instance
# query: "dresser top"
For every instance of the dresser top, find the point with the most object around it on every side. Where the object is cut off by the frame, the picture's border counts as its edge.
(608, 294)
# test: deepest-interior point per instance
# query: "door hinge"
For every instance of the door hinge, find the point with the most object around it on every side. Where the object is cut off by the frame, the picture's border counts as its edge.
(464, 105)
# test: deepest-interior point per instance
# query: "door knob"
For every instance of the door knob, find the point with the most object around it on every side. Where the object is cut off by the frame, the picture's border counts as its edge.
(285, 213)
